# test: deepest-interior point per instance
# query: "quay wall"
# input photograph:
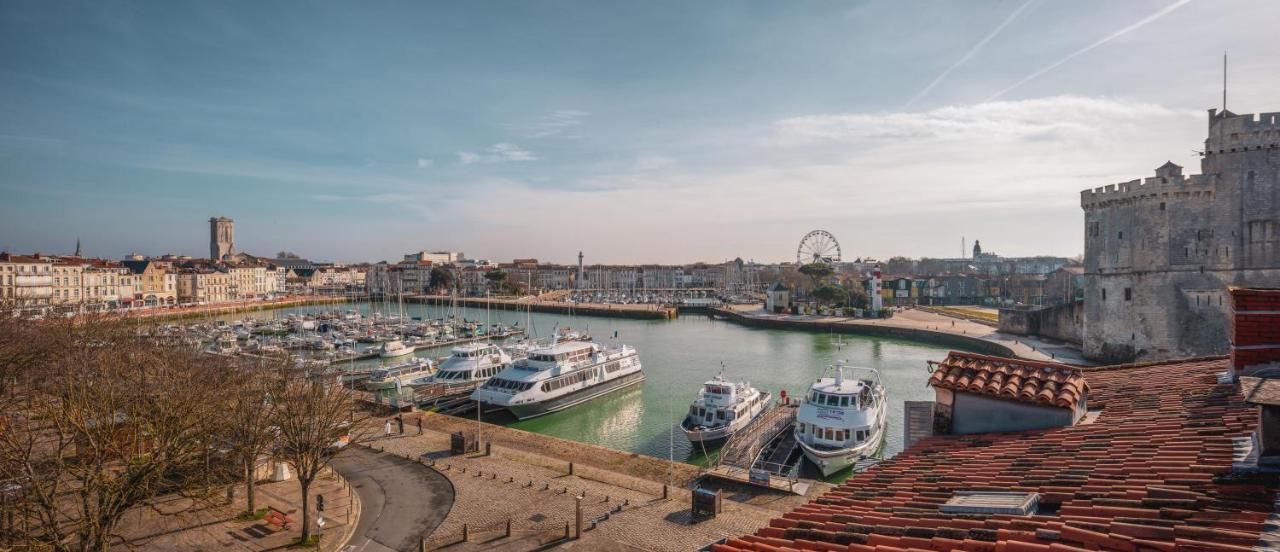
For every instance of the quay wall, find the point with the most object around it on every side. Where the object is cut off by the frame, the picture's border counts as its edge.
(233, 308)
(876, 330)
(611, 311)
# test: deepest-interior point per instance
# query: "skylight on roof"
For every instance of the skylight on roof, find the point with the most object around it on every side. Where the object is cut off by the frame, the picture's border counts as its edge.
(991, 502)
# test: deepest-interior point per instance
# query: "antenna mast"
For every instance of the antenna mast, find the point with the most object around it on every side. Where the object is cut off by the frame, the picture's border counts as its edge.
(1224, 80)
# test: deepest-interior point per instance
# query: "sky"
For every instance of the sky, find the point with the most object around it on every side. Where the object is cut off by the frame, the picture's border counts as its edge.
(632, 131)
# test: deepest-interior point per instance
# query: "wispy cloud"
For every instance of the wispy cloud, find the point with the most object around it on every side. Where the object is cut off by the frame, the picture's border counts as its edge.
(379, 199)
(424, 163)
(553, 124)
(969, 54)
(501, 152)
(1135, 26)
(1040, 118)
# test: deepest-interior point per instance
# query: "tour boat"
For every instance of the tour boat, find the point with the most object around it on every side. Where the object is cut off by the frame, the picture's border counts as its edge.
(470, 363)
(722, 408)
(561, 375)
(394, 348)
(399, 375)
(842, 420)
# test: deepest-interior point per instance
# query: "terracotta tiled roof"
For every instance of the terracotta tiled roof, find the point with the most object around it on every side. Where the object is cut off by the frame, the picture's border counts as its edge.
(1044, 383)
(1153, 472)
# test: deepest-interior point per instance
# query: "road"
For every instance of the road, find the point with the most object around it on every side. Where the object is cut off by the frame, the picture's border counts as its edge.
(400, 500)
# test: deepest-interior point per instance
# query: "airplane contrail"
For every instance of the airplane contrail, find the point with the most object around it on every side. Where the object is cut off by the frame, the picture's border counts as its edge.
(967, 55)
(1163, 12)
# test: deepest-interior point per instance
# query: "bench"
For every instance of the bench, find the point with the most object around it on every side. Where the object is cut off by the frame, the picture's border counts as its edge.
(278, 518)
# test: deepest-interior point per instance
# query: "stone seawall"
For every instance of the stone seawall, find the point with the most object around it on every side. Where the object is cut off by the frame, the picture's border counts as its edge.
(643, 312)
(876, 330)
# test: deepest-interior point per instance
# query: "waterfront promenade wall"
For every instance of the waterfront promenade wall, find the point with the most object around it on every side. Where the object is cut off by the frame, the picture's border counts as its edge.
(946, 339)
(198, 311)
(649, 312)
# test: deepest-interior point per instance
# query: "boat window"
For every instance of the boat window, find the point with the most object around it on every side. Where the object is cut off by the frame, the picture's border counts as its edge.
(720, 414)
(802, 424)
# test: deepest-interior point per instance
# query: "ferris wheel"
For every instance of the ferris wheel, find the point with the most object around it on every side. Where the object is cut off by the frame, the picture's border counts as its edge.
(818, 246)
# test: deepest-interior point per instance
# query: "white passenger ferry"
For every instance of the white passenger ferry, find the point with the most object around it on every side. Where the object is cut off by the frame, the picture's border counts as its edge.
(401, 374)
(475, 362)
(842, 420)
(722, 408)
(561, 375)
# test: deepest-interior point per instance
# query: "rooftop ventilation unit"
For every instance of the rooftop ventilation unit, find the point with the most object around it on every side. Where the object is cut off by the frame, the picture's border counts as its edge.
(991, 502)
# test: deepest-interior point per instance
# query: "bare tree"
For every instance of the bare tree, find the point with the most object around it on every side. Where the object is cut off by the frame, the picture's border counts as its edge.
(248, 416)
(104, 422)
(315, 421)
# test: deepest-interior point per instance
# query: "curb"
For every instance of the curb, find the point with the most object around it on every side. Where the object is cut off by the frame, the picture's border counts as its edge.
(349, 530)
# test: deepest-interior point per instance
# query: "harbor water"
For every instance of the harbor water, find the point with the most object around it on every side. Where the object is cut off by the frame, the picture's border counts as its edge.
(678, 356)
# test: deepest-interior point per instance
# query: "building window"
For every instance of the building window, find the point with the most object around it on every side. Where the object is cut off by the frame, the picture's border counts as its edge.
(1104, 294)
(1128, 294)
(1161, 205)
(1121, 234)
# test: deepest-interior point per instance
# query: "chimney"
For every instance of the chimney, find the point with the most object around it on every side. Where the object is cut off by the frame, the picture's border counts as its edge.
(1255, 331)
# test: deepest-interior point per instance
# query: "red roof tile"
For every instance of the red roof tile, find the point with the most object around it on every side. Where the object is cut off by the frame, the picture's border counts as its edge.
(1045, 383)
(1153, 472)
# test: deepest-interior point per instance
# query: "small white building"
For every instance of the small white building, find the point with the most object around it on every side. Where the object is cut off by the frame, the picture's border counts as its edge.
(777, 298)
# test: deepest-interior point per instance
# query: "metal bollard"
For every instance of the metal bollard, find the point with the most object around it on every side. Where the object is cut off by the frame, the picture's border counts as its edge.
(466, 533)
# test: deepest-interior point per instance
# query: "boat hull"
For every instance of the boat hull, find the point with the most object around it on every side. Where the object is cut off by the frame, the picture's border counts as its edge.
(541, 408)
(396, 353)
(832, 461)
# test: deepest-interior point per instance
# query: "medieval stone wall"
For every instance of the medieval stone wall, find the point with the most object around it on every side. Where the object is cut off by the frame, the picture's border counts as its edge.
(1160, 252)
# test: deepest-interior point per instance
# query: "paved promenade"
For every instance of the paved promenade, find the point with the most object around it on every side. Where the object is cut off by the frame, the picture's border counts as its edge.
(400, 501)
(923, 321)
(180, 524)
(623, 511)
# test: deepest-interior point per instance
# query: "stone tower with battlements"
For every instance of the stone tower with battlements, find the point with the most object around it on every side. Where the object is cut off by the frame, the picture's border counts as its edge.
(222, 238)
(1161, 251)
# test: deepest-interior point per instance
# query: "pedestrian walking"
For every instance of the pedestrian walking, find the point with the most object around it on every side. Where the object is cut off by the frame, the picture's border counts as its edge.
(388, 428)
(419, 425)
(400, 424)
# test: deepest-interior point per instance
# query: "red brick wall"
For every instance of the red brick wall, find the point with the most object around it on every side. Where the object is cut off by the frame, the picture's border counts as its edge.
(1255, 328)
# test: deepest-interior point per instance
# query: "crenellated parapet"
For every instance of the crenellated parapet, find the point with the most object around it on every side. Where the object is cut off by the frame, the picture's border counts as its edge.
(1165, 186)
(1232, 133)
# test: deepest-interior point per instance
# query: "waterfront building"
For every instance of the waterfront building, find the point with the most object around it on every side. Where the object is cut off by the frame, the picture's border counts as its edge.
(1160, 252)
(107, 285)
(204, 283)
(222, 238)
(156, 282)
(436, 257)
(67, 287)
(26, 282)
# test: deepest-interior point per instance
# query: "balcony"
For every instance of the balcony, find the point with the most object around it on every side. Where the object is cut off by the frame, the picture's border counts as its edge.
(32, 280)
(34, 292)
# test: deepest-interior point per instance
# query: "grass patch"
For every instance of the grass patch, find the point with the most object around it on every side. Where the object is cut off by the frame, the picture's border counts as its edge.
(312, 542)
(255, 515)
(973, 313)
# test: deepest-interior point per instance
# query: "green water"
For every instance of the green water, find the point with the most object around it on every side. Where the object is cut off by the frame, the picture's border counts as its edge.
(679, 355)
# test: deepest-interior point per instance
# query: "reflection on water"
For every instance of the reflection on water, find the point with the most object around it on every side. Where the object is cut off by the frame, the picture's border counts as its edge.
(679, 355)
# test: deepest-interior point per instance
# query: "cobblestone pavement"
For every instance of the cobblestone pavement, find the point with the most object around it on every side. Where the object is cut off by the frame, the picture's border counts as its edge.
(538, 493)
(215, 527)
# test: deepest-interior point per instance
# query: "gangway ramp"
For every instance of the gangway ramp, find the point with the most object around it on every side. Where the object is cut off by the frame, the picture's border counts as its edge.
(743, 453)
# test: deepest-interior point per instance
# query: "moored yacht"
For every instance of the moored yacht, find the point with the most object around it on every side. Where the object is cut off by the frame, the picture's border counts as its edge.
(561, 375)
(722, 408)
(475, 362)
(394, 348)
(399, 375)
(842, 419)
